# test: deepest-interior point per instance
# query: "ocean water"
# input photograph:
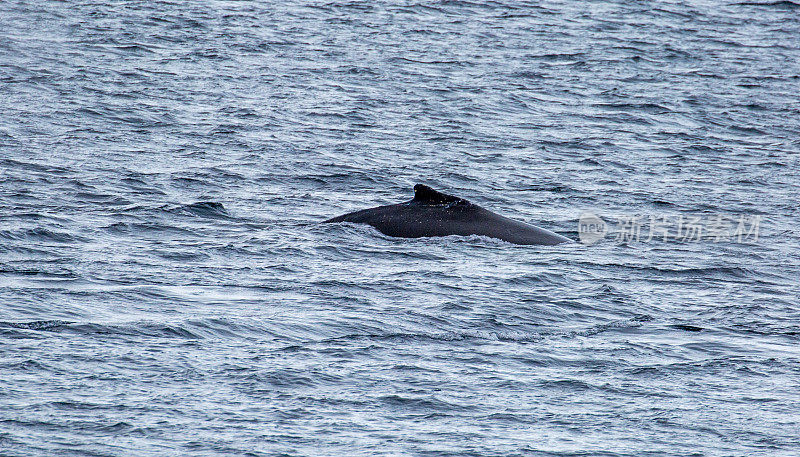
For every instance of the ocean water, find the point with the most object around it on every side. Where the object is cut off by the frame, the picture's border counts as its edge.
(166, 287)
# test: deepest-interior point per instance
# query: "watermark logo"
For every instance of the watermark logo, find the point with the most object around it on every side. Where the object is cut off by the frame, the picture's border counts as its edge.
(682, 228)
(591, 228)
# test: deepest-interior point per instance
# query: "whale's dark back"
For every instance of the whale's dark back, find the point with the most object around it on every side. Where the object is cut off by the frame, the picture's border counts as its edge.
(432, 213)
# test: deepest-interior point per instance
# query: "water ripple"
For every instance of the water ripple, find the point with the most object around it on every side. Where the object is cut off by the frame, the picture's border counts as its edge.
(166, 285)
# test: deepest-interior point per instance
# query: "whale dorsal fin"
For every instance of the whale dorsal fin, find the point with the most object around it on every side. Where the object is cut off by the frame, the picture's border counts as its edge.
(425, 195)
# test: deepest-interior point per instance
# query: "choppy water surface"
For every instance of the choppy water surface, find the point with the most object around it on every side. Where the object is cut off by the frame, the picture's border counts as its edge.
(166, 289)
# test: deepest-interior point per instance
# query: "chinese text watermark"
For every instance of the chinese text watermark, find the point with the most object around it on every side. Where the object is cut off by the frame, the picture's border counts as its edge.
(682, 228)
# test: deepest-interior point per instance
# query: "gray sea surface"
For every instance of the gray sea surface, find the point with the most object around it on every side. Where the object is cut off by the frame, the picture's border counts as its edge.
(166, 287)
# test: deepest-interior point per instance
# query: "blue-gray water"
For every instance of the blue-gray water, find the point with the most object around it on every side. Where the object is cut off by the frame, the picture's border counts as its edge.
(166, 288)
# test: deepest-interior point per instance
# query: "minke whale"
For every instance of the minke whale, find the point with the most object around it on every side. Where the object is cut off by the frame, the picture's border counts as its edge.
(432, 213)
